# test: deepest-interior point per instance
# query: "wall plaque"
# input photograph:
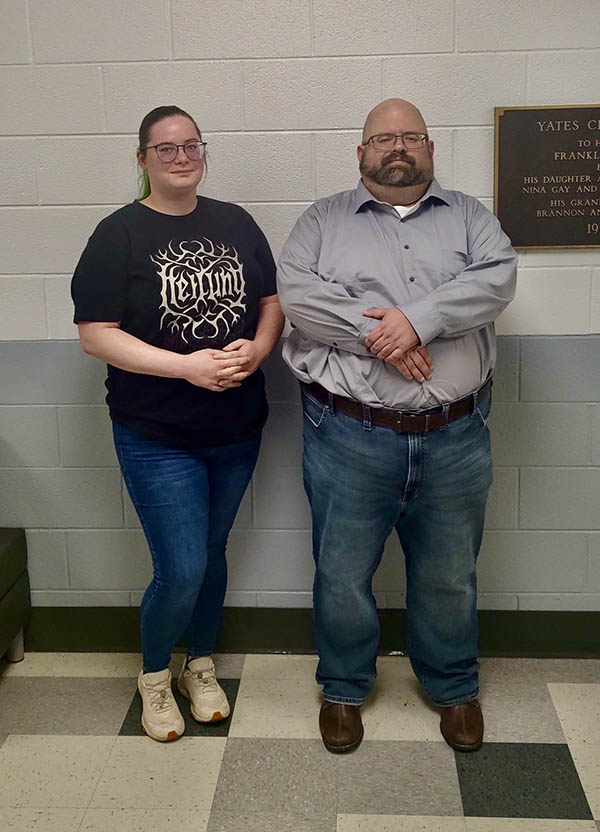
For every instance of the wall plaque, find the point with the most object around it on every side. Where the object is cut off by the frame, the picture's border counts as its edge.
(547, 175)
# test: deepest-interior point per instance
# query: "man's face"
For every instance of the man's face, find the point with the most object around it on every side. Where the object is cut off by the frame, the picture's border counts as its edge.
(397, 167)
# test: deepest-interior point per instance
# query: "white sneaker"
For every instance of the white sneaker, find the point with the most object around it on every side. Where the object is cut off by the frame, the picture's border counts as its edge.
(161, 717)
(198, 683)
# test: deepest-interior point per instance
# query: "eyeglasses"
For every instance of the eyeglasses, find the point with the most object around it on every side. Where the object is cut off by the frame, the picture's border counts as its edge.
(387, 141)
(167, 152)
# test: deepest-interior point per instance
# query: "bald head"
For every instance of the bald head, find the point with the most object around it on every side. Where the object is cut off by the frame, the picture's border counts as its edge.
(390, 111)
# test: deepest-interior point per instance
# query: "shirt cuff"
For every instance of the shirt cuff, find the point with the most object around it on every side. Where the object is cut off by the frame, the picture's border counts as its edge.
(425, 318)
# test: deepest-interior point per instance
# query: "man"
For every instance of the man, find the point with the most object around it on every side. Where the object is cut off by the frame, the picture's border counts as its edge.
(392, 290)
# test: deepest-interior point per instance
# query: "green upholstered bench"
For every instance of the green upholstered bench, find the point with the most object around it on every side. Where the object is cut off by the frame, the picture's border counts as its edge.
(15, 602)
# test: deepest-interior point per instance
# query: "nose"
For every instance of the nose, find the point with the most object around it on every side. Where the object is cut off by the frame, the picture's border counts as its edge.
(181, 157)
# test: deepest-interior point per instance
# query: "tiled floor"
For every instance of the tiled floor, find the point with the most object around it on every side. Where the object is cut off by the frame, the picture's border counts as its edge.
(73, 759)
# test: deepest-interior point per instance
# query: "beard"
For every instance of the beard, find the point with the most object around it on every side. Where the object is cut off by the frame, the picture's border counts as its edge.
(399, 176)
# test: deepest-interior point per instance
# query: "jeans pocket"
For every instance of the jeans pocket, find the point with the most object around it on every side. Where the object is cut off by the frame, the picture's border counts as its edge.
(314, 411)
(483, 409)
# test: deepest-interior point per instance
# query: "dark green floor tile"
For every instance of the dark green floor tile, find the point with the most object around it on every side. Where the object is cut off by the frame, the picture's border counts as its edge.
(521, 780)
(131, 726)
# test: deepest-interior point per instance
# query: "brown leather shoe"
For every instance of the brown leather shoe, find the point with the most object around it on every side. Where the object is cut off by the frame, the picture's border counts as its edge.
(462, 726)
(341, 726)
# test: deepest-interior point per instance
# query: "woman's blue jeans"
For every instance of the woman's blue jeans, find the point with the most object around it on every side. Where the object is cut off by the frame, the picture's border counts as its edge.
(186, 501)
(364, 481)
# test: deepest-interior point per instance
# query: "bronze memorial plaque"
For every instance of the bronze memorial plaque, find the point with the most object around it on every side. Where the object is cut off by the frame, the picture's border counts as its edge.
(547, 176)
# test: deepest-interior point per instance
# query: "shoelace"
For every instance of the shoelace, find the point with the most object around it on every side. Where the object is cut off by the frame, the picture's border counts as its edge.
(205, 678)
(159, 694)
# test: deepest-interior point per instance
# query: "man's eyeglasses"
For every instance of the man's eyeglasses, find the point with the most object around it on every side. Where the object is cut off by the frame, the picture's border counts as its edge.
(167, 152)
(387, 141)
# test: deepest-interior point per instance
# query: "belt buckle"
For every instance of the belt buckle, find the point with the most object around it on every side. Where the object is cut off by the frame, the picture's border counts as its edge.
(405, 416)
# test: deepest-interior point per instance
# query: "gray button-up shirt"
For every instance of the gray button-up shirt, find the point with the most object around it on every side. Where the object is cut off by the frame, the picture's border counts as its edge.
(447, 265)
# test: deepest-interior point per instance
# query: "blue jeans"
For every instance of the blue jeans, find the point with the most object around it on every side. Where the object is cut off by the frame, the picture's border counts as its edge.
(186, 501)
(363, 481)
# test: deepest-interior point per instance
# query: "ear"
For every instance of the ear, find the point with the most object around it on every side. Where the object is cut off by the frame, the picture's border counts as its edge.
(360, 150)
(431, 146)
(141, 159)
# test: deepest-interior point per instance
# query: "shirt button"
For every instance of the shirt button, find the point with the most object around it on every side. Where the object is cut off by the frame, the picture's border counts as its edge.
(406, 245)
(334, 343)
(412, 280)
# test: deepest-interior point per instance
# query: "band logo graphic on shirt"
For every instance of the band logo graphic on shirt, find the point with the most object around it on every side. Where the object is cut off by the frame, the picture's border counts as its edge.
(203, 288)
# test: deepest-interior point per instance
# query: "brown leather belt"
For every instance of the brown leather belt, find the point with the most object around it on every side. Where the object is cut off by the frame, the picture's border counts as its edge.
(403, 421)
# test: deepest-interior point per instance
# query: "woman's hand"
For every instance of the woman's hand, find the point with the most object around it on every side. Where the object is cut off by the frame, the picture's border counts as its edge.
(246, 353)
(215, 370)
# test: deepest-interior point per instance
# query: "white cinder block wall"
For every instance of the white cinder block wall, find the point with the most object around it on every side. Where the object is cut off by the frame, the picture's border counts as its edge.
(280, 89)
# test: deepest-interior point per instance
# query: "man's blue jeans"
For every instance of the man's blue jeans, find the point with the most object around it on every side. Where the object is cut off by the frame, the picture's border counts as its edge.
(363, 481)
(186, 501)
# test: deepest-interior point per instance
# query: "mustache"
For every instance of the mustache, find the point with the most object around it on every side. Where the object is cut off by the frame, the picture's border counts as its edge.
(398, 156)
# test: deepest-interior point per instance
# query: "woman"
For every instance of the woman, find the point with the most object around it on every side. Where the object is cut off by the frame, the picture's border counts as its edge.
(177, 294)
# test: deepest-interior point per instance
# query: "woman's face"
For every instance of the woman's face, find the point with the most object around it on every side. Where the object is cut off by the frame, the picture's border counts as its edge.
(182, 173)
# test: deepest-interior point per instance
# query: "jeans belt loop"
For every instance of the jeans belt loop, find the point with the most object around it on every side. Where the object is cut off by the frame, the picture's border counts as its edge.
(331, 403)
(445, 412)
(475, 398)
(367, 417)
(427, 420)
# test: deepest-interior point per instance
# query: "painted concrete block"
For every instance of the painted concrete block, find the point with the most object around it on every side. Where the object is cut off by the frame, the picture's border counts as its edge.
(560, 498)
(101, 560)
(548, 302)
(240, 599)
(390, 576)
(280, 502)
(539, 24)
(595, 435)
(276, 220)
(86, 437)
(522, 561)
(38, 100)
(474, 161)
(382, 28)
(506, 372)
(257, 29)
(560, 257)
(28, 437)
(47, 560)
(569, 601)
(66, 176)
(496, 601)
(59, 498)
(282, 437)
(595, 307)
(38, 372)
(288, 600)
(502, 505)
(281, 385)
(456, 89)
(211, 92)
(45, 240)
(19, 186)
(79, 598)
(563, 77)
(318, 94)
(59, 308)
(15, 37)
(540, 434)
(560, 369)
(270, 560)
(135, 31)
(23, 308)
(593, 582)
(258, 167)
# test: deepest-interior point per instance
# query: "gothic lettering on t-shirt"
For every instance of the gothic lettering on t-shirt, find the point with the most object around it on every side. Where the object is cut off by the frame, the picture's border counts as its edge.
(203, 291)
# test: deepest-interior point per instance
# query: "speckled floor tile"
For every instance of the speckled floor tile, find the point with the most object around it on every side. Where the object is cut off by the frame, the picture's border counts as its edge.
(2, 738)
(144, 820)
(587, 762)
(550, 670)
(227, 822)
(49, 772)
(397, 709)
(131, 726)
(528, 825)
(276, 777)
(70, 705)
(516, 703)
(398, 778)
(144, 774)
(399, 823)
(518, 780)
(40, 820)
(74, 664)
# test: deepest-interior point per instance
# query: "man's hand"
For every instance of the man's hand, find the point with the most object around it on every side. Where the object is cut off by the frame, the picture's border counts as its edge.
(247, 353)
(415, 364)
(393, 337)
(214, 369)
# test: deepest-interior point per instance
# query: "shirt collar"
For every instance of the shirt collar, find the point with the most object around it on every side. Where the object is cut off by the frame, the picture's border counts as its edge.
(362, 195)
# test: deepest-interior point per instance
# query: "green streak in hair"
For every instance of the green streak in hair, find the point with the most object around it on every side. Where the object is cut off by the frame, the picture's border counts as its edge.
(144, 186)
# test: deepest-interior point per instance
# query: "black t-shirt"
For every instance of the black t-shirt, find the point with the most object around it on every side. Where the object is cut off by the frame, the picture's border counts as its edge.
(181, 283)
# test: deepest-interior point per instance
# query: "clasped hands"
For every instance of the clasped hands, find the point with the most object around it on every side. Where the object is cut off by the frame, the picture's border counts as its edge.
(396, 342)
(218, 370)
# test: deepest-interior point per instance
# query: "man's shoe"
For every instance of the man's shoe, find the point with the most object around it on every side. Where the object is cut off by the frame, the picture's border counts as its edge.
(462, 726)
(341, 726)
(161, 718)
(198, 683)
